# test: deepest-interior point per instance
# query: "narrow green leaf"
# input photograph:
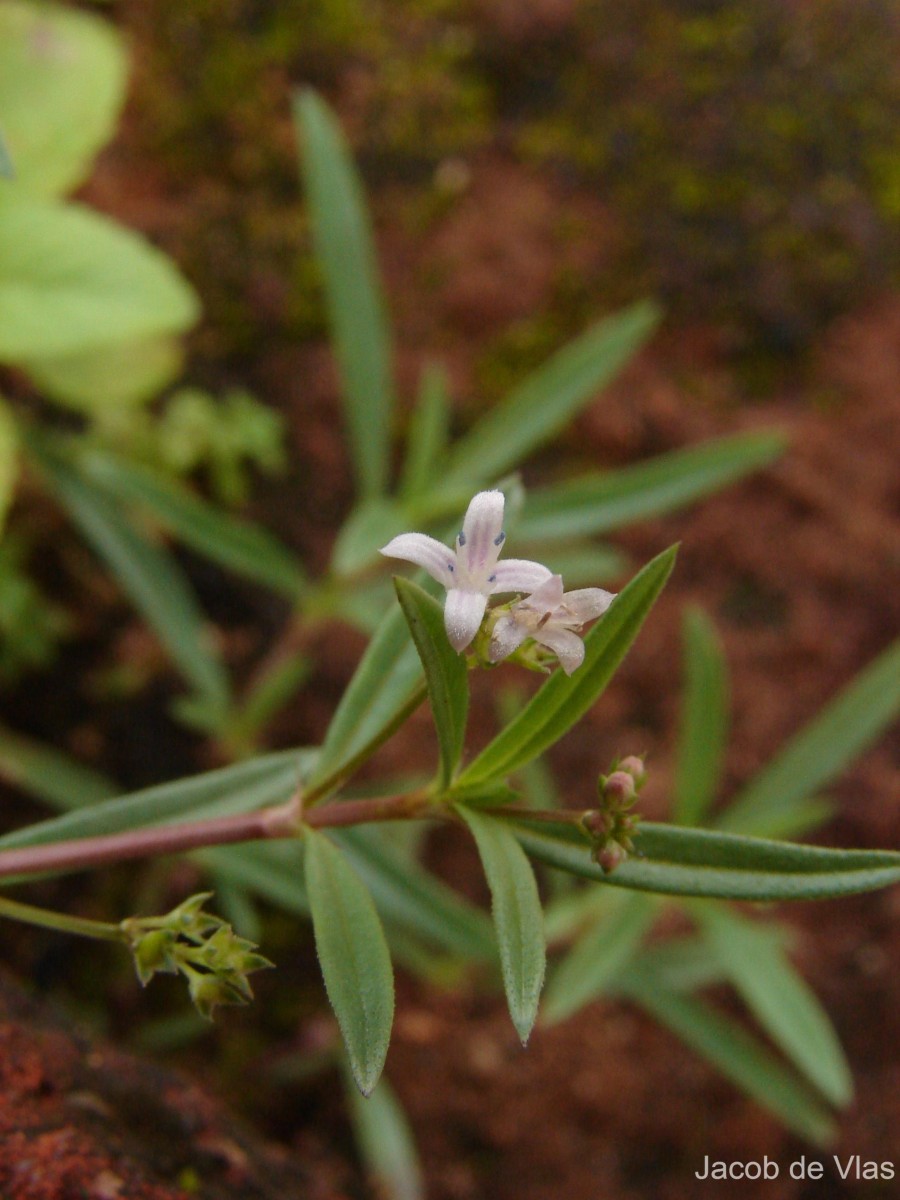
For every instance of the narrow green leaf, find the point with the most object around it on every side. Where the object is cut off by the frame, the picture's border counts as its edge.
(72, 280)
(427, 441)
(342, 237)
(240, 788)
(821, 750)
(518, 916)
(237, 544)
(386, 1144)
(698, 862)
(548, 399)
(597, 957)
(62, 82)
(148, 575)
(386, 684)
(704, 720)
(563, 699)
(779, 998)
(353, 955)
(737, 1054)
(602, 501)
(446, 674)
(50, 775)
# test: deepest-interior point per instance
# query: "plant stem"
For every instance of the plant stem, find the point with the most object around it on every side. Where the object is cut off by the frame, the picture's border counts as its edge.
(280, 821)
(16, 911)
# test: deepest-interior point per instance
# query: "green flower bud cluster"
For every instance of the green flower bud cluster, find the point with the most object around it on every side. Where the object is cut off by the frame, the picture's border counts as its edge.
(612, 823)
(201, 947)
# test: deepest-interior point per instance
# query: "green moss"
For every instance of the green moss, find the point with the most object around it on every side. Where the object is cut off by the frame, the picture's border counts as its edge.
(749, 148)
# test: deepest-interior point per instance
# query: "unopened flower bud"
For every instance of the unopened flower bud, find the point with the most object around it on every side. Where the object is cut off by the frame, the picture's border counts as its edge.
(619, 787)
(609, 857)
(634, 766)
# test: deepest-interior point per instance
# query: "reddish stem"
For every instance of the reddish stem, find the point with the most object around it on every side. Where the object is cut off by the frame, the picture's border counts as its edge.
(281, 821)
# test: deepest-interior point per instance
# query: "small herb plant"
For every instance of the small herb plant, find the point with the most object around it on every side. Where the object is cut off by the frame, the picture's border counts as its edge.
(297, 829)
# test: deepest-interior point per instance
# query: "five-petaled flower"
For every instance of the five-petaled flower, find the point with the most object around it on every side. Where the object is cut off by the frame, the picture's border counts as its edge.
(551, 617)
(470, 572)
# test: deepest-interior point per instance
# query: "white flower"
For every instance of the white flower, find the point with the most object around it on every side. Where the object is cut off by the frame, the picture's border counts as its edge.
(470, 572)
(552, 618)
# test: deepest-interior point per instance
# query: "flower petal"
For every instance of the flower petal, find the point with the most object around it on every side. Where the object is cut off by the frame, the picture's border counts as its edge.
(586, 603)
(462, 616)
(566, 645)
(425, 552)
(508, 635)
(545, 598)
(481, 537)
(517, 575)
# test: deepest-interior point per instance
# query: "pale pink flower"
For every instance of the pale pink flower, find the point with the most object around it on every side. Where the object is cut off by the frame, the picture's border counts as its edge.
(470, 572)
(553, 618)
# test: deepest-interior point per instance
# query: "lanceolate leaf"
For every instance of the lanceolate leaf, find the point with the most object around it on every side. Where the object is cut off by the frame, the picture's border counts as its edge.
(446, 673)
(602, 501)
(704, 720)
(822, 750)
(780, 999)
(149, 575)
(549, 398)
(736, 1053)
(698, 862)
(356, 309)
(518, 916)
(235, 543)
(563, 699)
(353, 955)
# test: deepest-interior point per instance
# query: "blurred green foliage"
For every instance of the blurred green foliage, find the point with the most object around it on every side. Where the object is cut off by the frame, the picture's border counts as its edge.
(31, 625)
(222, 437)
